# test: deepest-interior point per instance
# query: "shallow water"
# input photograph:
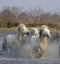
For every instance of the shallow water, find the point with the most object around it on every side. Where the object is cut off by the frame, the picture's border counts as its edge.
(28, 61)
(52, 50)
(51, 55)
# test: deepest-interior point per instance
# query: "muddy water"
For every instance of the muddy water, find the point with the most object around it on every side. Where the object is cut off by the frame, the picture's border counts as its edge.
(52, 50)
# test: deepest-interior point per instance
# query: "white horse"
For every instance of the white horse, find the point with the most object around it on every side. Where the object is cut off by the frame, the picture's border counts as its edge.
(32, 31)
(11, 41)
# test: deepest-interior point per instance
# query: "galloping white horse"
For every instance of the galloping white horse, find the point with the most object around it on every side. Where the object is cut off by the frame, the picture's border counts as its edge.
(12, 40)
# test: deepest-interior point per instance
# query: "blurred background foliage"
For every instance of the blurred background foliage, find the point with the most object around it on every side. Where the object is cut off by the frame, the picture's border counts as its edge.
(13, 16)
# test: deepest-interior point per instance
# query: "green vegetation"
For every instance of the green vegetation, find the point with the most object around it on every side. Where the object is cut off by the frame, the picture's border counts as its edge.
(11, 17)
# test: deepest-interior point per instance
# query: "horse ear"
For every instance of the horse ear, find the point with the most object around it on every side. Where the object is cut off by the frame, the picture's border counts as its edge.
(40, 33)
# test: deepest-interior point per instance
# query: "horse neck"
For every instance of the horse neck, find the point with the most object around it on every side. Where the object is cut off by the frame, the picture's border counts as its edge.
(19, 37)
(43, 41)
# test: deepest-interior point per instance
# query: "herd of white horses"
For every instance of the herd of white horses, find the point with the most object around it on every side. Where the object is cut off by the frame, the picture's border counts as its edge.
(30, 42)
